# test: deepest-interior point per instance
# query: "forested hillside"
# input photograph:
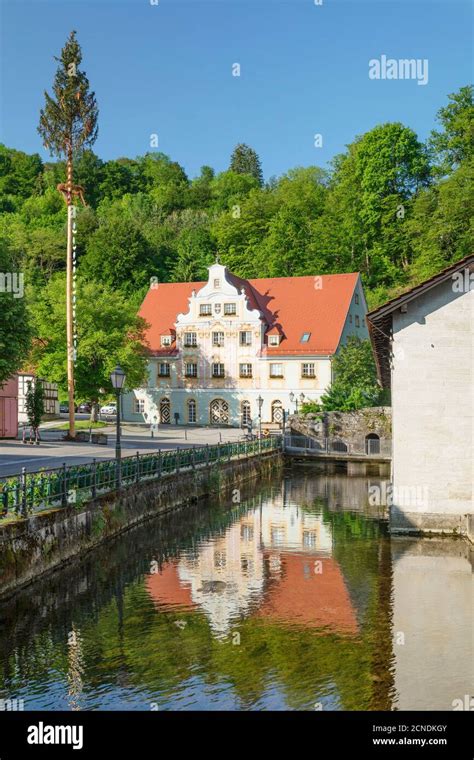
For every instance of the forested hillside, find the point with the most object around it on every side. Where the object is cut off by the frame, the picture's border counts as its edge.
(391, 207)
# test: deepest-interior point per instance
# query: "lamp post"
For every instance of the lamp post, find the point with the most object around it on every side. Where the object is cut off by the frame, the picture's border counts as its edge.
(117, 378)
(260, 404)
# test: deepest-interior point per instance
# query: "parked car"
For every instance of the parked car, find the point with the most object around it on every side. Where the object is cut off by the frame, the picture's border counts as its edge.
(109, 408)
(84, 407)
(64, 407)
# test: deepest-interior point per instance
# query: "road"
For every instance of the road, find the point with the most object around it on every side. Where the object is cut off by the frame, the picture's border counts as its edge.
(52, 451)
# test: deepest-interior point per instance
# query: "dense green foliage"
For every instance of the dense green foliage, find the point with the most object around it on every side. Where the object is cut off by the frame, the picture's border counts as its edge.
(355, 381)
(391, 207)
(109, 332)
(14, 325)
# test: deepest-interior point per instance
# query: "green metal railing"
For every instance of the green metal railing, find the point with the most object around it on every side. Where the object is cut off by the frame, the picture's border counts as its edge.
(29, 492)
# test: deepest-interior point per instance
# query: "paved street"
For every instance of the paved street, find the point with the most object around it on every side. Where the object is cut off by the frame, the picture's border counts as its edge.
(52, 451)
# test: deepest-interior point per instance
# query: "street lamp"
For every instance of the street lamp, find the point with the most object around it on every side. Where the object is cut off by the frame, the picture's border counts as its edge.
(260, 404)
(117, 378)
(294, 398)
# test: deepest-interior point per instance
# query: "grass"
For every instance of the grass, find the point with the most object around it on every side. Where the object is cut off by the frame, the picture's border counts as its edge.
(83, 425)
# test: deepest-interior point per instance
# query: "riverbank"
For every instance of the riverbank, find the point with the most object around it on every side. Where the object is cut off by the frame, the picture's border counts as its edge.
(45, 541)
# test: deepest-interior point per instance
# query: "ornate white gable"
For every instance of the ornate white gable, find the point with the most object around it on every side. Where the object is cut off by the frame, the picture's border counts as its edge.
(219, 290)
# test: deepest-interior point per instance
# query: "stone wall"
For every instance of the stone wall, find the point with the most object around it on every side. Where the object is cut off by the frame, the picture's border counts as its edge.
(30, 547)
(350, 427)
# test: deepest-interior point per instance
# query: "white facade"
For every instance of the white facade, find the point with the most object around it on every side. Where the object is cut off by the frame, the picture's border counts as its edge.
(231, 339)
(433, 410)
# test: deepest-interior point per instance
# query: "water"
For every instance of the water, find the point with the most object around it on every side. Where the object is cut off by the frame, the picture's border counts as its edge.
(294, 599)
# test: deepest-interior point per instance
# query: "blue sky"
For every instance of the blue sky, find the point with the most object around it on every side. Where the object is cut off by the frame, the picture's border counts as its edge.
(167, 69)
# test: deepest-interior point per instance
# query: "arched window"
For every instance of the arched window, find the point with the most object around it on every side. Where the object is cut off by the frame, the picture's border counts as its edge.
(191, 410)
(277, 411)
(372, 444)
(245, 413)
(219, 412)
(165, 411)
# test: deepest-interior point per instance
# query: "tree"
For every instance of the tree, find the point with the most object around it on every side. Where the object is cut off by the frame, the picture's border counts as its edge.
(18, 172)
(14, 326)
(441, 226)
(34, 403)
(369, 201)
(455, 143)
(244, 160)
(289, 243)
(68, 123)
(196, 251)
(109, 332)
(355, 380)
(119, 256)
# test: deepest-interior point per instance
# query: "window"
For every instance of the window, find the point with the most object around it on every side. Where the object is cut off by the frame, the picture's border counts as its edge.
(357, 321)
(245, 370)
(230, 308)
(245, 338)
(310, 539)
(273, 340)
(191, 410)
(205, 310)
(305, 337)
(217, 370)
(190, 369)
(218, 338)
(166, 340)
(163, 369)
(277, 534)
(276, 370)
(139, 405)
(246, 532)
(350, 319)
(356, 298)
(245, 413)
(190, 339)
(217, 283)
(307, 369)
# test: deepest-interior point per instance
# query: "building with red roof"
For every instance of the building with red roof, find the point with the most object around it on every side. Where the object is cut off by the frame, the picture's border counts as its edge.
(223, 349)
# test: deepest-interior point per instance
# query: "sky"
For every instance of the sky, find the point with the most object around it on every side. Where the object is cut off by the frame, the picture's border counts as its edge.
(167, 69)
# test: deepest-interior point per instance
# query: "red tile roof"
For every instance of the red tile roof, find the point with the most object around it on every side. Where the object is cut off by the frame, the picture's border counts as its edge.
(309, 599)
(293, 305)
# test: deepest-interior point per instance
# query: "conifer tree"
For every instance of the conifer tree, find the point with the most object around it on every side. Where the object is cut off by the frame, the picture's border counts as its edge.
(68, 124)
(244, 160)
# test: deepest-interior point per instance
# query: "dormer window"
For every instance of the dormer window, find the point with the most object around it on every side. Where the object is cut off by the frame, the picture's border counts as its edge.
(305, 337)
(217, 282)
(230, 309)
(166, 340)
(205, 310)
(273, 340)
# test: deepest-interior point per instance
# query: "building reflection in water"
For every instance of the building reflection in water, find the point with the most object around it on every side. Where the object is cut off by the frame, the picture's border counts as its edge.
(274, 562)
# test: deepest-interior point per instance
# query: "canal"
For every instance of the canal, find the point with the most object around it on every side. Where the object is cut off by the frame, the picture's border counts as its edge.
(288, 596)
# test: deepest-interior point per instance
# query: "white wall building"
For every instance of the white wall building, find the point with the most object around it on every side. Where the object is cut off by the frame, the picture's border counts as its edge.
(423, 341)
(218, 346)
(51, 399)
